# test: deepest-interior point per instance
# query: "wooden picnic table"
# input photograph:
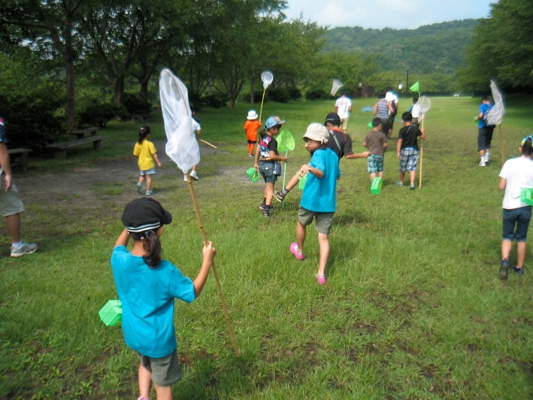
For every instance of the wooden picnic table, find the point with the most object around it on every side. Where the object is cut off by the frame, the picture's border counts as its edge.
(19, 157)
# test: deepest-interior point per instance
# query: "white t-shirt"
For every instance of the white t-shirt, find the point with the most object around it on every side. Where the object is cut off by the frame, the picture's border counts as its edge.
(415, 111)
(519, 175)
(343, 105)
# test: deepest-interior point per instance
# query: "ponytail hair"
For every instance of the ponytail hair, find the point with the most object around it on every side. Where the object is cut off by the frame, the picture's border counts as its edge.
(143, 132)
(527, 146)
(151, 245)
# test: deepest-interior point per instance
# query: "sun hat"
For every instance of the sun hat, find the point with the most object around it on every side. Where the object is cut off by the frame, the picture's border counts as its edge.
(273, 121)
(145, 214)
(333, 119)
(317, 132)
(252, 115)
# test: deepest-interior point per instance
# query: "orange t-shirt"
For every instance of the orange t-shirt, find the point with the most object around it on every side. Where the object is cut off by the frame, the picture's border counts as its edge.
(251, 127)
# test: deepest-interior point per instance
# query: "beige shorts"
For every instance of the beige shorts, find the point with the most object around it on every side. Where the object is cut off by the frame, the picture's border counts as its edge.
(10, 202)
(344, 124)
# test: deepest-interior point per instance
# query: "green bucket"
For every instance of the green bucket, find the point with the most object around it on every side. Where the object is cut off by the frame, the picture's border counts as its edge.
(252, 174)
(302, 181)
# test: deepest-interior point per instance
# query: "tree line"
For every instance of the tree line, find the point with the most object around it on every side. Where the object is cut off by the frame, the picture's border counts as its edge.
(102, 58)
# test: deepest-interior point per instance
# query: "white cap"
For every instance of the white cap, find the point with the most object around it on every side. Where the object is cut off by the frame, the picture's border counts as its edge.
(317, 132)
(252, 115)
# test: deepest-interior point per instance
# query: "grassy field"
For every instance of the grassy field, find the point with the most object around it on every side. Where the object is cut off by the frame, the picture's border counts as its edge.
(413, 307)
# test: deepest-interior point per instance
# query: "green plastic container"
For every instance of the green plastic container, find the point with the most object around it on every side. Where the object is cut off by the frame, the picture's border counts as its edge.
(111, 313)
(526, 195)
(302, 181)
(375, 188)
(252, 174)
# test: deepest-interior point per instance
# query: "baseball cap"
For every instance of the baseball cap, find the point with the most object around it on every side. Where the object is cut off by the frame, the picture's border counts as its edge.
(333, 118)
(252, 115)
(273, 121)
(145, 214)
(317, 132)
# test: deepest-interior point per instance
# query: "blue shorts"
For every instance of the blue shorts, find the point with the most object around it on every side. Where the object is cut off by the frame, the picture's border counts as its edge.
(408, 159)
(267, 170)
(375, 163)
(516, 223)
(150, 171)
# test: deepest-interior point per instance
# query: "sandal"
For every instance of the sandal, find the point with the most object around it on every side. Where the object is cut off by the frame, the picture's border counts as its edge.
(294, 250)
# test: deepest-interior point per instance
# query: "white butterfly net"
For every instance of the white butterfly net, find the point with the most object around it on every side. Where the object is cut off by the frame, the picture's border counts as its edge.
(495, 114)
(182, 146)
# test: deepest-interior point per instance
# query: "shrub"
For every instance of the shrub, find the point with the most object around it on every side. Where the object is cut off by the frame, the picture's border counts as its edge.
(279, 94)
(316, 94)
(98, 114)
(216, 100)
(294, 93)
(134, 105)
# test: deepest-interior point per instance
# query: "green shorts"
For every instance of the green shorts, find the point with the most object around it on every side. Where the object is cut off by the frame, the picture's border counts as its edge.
(165, 370)
(10, 202)
(323, 220)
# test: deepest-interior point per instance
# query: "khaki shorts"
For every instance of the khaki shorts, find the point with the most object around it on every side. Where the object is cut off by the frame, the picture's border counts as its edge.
(344, 124)
(10, 203)
(323, 220)
(165, 370)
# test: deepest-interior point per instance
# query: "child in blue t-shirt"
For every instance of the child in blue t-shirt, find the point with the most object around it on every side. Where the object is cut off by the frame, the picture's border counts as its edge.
(319, 198)
(147, 287)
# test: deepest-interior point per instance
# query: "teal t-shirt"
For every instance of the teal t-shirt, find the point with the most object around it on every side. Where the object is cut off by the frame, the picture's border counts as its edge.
(320, 194)
(147, 296)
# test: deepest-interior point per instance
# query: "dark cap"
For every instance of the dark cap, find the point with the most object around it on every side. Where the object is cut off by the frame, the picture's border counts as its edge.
(333, 118)
(145, 214)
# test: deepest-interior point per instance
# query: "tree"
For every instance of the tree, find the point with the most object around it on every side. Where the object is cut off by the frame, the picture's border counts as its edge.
(48, 28)
(501, 48)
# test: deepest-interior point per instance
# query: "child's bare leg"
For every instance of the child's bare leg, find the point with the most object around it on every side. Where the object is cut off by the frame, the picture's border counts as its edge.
(300, 236)
(293, 182)
(145, 380)
(520, 254)
(412, 176)
(402, 176)
(163, 392)
(148, 183)
(380, 174)
(506, 249)
(269, 192)
(372, 176)
(141, 179)
(323, 242)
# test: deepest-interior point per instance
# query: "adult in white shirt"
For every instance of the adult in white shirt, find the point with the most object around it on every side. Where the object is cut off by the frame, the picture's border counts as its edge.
(343, 107)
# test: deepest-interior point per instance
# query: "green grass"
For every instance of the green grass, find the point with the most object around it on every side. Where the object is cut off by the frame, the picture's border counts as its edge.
(413, 307)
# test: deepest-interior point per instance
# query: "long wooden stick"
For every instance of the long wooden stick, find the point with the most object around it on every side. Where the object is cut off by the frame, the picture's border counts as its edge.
(213, 267)
(501, 144)
(209, 144)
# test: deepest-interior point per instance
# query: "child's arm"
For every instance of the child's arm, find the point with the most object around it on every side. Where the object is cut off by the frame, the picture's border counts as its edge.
(399, 148)
(365, 144)
(364, 154)
(275, 157)
(209, 253)
(256, 158)
(423, 134)
(156, 158)
(306, 168)
(385, 145)
(123, 238)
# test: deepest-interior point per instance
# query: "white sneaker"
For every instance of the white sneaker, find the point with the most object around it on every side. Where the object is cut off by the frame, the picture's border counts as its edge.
(185, 178)
(482, 163)
(194, 175)
(26, 248)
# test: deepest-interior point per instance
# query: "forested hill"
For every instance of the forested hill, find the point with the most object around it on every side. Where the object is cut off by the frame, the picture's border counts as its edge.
(425, 50)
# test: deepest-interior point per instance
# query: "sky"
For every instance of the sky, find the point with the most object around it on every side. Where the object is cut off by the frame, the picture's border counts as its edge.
(379, 14)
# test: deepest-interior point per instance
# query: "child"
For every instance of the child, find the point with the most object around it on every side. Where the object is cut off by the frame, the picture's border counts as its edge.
(251, 126)
(319, 197)
(146, 153)
(516, 174)
(407, 148)
(147, 287)
(376, 142)
(267, 160)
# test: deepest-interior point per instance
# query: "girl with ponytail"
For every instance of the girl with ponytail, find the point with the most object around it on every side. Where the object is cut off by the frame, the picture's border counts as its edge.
(147, 286)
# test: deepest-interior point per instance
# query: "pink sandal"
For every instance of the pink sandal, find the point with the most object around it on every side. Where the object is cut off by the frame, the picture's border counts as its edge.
(294, 250)
(321, 279)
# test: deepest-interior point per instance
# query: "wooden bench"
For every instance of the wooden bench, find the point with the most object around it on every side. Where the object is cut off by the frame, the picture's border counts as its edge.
(60, 149)
(79, 133)
(19, 157)
(140, 117)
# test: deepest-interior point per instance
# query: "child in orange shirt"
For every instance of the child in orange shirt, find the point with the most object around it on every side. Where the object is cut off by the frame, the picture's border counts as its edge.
(251, 126)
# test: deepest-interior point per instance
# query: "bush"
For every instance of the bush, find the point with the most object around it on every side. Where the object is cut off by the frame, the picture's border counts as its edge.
(34, 120)
(316, 94)
(217, 100)
(98, 114)
(294, 93)
(135, 106)
(279, 94)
